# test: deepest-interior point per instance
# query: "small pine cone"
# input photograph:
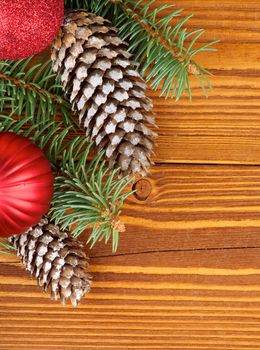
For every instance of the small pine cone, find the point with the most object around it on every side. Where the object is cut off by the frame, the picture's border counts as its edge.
(106, 90)
(55, 259)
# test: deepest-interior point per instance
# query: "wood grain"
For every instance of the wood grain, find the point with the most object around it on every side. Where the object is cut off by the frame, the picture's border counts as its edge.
(168, 287)
(224, 128)
(187, 272)
(193, 207)
(170, 300)
(229, 20)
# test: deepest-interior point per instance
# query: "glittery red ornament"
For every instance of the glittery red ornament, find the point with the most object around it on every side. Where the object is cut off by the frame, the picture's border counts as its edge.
(28, 26)
(26, 184)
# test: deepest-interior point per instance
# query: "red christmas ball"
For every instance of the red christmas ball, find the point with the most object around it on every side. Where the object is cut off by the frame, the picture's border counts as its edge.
(26, 184)
(28, 26)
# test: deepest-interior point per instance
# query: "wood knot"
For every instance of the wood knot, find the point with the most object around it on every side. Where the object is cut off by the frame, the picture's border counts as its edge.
(143, 189)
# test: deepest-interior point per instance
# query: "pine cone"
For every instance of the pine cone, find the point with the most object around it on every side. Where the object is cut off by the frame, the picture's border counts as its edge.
(106, 90)
(56, 259)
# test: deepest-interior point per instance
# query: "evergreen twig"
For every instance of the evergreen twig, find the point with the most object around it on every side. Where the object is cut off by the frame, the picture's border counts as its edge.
(164, 50)
(86, 195)
(28, 88)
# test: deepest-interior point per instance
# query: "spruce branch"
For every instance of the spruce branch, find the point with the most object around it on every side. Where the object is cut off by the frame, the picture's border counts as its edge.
(87, 195)
(164, 50)
(29, 88)
(94, 193)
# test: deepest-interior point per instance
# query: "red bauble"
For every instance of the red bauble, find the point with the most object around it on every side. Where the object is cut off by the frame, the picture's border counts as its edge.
(28, 26)
(26, 184)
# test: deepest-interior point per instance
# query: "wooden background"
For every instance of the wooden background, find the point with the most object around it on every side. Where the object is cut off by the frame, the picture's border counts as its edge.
(187, 274)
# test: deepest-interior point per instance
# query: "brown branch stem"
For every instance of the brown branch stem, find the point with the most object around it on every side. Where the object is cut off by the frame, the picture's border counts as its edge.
(31, 87)
(192, 69)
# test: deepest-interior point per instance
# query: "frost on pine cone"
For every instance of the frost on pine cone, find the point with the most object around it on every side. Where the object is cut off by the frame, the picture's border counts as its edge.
(55, 259)
(106, 90)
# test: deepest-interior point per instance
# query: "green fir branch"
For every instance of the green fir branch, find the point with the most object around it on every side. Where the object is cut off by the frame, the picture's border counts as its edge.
(93, 190)
(86, 194)
(28, 87)
(166, 51)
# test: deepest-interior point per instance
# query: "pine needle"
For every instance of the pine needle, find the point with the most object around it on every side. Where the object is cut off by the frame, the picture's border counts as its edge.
(29, 88)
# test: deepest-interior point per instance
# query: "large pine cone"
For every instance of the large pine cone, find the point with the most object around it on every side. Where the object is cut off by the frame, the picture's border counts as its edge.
(106, 90)
(56, 259)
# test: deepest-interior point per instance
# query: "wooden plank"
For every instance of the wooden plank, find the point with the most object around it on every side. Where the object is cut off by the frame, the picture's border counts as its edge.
(231, 21)
(169, 300)
(223, 129)
(182, 207)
